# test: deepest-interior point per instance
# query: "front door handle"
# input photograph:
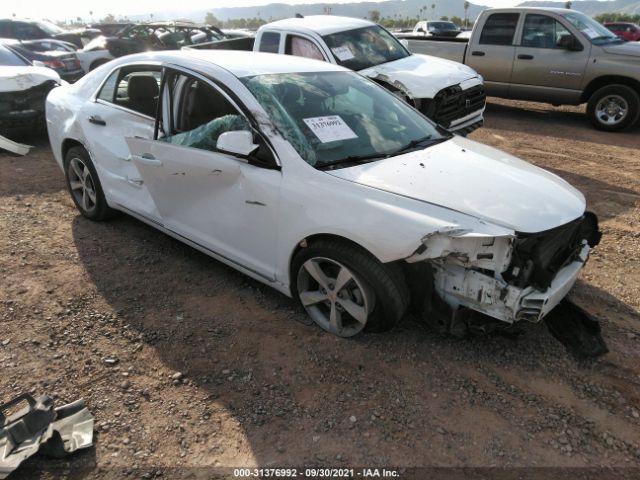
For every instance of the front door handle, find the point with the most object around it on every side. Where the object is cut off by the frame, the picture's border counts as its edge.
(523, 56)
(147, 159)
(96, 120)
(477, 53)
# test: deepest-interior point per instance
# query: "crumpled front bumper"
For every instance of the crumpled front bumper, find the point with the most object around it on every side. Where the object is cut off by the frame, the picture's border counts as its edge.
(462, 287)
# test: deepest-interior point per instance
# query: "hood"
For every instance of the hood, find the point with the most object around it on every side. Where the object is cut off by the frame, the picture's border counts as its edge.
(628, 48)
(421, 76)
(476, 180)
(14, 79)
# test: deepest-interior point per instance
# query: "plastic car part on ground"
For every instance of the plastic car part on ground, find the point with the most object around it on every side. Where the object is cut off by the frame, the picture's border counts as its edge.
(206, 136)
(59, 431)
(14, 147)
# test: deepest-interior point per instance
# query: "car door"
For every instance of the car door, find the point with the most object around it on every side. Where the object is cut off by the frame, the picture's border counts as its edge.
(548, 65)
(492, 54)
(121, 108)
(223, 203)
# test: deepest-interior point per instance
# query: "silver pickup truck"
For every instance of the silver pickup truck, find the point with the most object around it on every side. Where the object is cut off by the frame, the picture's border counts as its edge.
(549, 55)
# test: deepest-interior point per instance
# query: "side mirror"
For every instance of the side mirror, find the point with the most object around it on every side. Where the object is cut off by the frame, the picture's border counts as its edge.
(571, 43)
(238, 142)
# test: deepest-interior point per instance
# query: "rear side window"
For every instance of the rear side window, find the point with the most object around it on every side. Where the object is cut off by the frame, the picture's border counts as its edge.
(499, 29)
(270, 42)
(107, 92)
(133, 88)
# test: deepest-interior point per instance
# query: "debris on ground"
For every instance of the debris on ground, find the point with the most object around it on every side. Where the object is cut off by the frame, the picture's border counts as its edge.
(57, 432)
(14, 147)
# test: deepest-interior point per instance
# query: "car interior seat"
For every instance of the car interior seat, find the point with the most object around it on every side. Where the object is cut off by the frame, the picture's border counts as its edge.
(203, 104)
(142, 91)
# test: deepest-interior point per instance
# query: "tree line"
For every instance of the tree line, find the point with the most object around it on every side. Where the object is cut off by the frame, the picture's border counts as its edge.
(618, 17)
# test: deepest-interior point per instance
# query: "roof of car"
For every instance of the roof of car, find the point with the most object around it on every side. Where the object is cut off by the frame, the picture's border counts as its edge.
(238, 63)
(320, 24)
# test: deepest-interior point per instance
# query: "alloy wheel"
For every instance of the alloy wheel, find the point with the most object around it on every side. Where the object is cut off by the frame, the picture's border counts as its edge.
(612, 109)
(334, 297)
(82, 185)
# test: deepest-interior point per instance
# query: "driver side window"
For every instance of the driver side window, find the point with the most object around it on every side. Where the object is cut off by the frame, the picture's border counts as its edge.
(196, 114)
(541, 31)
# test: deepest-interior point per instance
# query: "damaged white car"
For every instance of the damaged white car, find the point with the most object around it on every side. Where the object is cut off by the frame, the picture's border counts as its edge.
(322, 184)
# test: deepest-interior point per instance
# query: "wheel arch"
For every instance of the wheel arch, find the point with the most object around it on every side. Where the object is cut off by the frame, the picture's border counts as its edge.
(606, 80)
(310, 239)
(68, 144)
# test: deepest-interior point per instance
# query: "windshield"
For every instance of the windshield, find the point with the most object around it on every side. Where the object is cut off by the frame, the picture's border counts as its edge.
(11, 59)
(50, 28)
(594, 31)
(333, 118)
(365, 47)
(442, 26)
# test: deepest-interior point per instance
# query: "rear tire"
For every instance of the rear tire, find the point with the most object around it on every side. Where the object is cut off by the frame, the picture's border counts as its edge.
(345, 290)
(613, 108)
(84, 185)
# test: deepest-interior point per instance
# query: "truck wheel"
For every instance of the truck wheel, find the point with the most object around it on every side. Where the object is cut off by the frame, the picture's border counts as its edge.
(345, 290)
(613, 108)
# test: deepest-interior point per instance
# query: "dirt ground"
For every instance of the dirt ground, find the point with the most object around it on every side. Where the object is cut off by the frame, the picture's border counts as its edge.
(187, 364)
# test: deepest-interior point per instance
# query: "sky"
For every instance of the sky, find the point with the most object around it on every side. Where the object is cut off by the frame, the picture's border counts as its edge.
(64, 9)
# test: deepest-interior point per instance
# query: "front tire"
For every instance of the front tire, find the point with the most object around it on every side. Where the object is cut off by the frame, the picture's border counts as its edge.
(345, 290)
(613, 108)
(84, 185)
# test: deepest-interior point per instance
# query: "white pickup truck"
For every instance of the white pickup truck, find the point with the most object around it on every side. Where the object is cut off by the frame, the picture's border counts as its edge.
(448, 92)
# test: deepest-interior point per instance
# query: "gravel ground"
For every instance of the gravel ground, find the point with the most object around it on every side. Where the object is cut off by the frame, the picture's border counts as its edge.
(186, 363)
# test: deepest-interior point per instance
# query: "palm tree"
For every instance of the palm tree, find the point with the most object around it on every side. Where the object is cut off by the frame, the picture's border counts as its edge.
(466, 14)
(433, 11)
(567, 5)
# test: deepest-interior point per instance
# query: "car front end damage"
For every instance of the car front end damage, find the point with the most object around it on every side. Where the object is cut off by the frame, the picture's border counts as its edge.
(457, 275)
(24, 108)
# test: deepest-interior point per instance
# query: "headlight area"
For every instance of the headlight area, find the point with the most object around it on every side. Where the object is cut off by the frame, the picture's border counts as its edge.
(507, 278)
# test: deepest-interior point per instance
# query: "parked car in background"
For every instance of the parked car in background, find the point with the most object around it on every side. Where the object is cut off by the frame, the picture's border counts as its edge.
(447, 92)
(89, 59)
(550, 55)
(437, 28)
(24, 29)
(627, 31)
(23, 90)
(264, 166)
(109, 29)
(65, 63)
(143, 37)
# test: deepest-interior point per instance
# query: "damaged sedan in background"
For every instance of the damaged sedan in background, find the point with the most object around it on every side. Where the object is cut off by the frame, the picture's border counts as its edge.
(23, 90)
(324, 185)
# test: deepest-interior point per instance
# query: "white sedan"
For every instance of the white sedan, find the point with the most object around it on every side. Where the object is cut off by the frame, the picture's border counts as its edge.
(320, 183)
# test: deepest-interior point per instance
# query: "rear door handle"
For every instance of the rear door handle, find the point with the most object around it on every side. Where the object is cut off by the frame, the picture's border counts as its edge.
(477, 53)
(523, 56)
(96, 120)
(147, 159)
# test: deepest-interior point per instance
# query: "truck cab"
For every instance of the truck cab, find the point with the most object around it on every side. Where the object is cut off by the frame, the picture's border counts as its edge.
(449, 93)
(551, 55)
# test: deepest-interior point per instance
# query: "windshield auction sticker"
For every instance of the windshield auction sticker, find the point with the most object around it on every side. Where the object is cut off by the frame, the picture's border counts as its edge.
(343, 53)
(330, 129)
